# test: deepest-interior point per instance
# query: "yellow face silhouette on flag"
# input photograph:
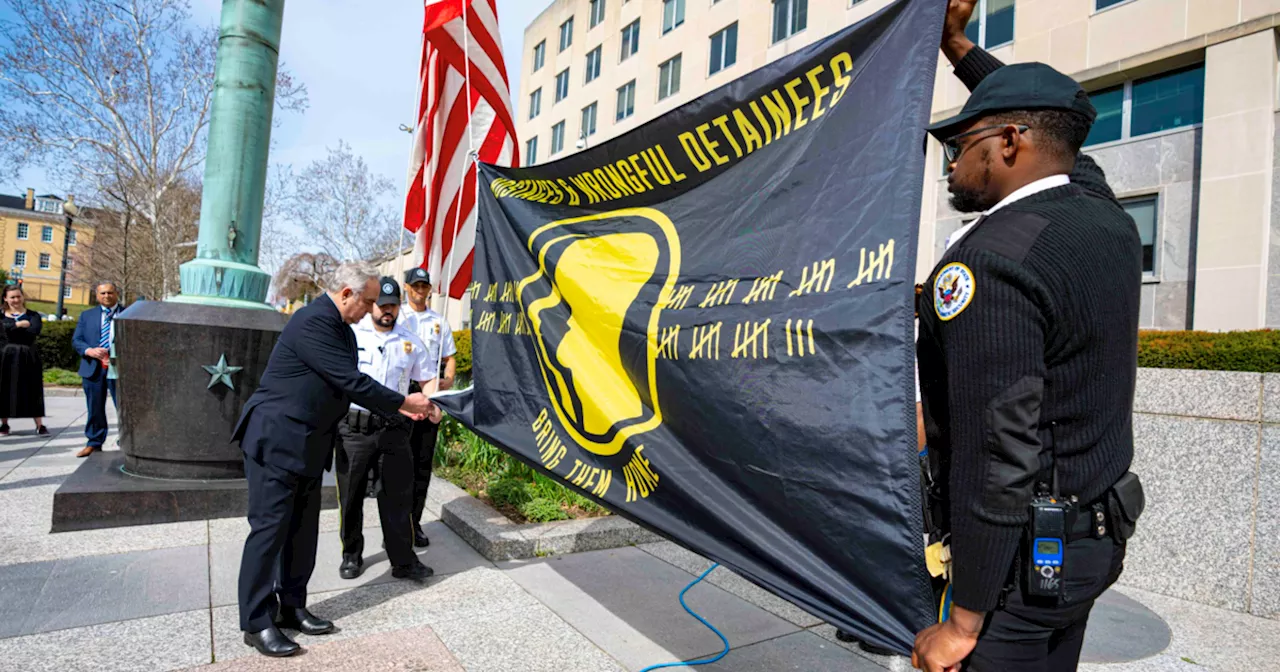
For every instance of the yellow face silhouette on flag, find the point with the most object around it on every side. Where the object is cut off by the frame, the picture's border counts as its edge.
(593, 308)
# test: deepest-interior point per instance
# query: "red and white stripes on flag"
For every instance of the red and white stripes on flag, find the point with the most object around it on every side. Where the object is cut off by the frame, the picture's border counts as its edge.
(464, 105)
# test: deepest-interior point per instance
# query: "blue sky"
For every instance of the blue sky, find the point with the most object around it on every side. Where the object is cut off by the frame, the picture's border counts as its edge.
(359, 61)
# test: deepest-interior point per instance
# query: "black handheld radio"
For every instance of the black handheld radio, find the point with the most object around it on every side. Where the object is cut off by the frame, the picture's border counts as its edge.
(1048, 544)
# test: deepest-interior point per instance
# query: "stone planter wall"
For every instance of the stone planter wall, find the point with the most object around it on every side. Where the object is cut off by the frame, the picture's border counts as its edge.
(1208, 452)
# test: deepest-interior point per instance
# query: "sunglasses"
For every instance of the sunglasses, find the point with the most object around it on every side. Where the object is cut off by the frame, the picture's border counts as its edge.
(954, 149)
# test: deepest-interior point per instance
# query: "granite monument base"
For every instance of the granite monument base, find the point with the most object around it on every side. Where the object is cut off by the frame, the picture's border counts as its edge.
(185, 372)
(101, 494)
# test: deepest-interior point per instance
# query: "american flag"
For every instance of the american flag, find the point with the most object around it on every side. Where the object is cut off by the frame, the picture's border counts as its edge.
(462, 87)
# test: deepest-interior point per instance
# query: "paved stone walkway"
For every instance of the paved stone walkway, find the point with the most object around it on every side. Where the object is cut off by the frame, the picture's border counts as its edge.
(162, 597)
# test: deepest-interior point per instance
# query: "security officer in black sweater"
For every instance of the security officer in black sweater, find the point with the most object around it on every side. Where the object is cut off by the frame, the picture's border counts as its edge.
(1028, 356)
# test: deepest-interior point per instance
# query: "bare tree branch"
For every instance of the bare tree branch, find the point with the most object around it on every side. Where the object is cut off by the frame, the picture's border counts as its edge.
(341, 204)
(114, 97)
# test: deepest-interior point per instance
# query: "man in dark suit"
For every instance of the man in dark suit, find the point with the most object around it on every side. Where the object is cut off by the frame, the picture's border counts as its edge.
(95, 332)
(287, 431)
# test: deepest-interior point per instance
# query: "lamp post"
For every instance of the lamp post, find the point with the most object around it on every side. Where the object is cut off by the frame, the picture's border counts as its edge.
(69, 212)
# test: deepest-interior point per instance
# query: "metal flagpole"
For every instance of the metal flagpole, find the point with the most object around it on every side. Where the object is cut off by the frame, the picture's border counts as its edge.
(471, 155)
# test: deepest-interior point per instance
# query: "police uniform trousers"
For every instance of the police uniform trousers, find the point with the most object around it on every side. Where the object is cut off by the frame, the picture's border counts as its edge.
(363, 439)
(280, 552)
(1030, 634)
(423, 441)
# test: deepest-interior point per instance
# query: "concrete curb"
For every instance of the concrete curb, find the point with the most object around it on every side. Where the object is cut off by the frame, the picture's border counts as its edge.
(498, 539)
(53, 391)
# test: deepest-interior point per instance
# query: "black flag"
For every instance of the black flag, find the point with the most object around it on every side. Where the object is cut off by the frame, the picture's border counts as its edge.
(706, 324)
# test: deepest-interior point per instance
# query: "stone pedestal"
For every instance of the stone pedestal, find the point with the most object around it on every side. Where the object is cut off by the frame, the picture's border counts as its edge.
(101, 495)
(185, 372)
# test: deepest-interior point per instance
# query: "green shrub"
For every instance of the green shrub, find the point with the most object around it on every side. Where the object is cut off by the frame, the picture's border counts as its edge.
(508, 491)
(462, 340)
(61, 377)
(543, 510)
(54, 344)
(1257, 351)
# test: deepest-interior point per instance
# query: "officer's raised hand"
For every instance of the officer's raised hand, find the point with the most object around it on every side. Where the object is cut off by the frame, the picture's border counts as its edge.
(955, 44)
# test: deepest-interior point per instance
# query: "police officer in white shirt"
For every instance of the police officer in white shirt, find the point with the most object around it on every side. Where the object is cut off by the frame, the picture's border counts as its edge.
(392, 356)
(434, 331)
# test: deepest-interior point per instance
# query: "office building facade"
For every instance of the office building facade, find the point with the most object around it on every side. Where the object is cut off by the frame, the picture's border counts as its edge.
(1187, 93)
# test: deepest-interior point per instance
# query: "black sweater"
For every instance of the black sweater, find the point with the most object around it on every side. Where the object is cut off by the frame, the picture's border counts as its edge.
(1028, 347)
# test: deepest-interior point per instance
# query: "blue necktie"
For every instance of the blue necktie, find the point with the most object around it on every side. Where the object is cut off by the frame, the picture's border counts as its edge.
(105, 341)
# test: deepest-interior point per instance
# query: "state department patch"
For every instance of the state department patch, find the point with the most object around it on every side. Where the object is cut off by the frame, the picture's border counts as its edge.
(952, 290)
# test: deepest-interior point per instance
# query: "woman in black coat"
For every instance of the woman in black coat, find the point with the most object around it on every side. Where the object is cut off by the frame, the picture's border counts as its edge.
(21, 373)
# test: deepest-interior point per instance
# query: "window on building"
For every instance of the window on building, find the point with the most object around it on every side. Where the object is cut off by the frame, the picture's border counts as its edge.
(73, 238)
(20, 258)
(535, 103)
(45, 261)
(562, 85)
(626, 100)
(672, 15)
(24, 230)
(46, 234)
(588, 121)
(789, 18)
(593, 64)
(597, 12)
(531, 151)
(68, 261)
(1149, 105)
(1110, 122)
(669, 78)
(724, 48)
(1103, 4)
(1168, 101)
(1143, 211)
(66, 291)
(630, 40)
(539, 55)
(991, 24)
(50, 205)
(557, 138)
(566, 34)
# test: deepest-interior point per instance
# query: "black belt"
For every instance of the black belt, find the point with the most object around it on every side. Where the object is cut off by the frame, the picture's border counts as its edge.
(364, 422)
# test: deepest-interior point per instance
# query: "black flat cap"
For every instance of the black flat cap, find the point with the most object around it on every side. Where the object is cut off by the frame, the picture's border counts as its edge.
(416, 275)
(1021, 86)
(388, 291)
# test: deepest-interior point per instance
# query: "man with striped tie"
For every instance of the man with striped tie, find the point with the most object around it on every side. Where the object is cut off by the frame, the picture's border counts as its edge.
(93, 338)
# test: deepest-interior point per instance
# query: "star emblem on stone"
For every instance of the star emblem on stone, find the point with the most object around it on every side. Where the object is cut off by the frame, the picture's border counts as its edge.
(222, 373)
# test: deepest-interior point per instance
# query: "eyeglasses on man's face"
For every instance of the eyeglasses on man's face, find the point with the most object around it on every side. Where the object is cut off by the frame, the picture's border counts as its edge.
(954, 147)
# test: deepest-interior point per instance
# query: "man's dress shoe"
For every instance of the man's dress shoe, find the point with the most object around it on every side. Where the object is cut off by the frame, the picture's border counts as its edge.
(298, 618)
(272, 642)
(414, 572)
(352, 566)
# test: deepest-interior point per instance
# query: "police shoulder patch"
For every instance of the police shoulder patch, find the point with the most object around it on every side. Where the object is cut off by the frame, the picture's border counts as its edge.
(952, 290)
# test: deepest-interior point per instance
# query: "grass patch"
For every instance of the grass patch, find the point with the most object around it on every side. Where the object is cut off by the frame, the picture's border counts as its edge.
(47, 307)
(61, 378)
(505, 483)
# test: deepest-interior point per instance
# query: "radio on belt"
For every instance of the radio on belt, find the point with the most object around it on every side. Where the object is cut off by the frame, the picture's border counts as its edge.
(1048, 541)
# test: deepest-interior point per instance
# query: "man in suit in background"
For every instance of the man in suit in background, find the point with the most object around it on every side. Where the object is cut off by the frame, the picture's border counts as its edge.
(287, 431)
(94, 335)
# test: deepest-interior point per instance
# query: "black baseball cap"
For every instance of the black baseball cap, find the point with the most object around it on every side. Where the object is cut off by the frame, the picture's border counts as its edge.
(414, 275)
(1021, 86)
(388, 291)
